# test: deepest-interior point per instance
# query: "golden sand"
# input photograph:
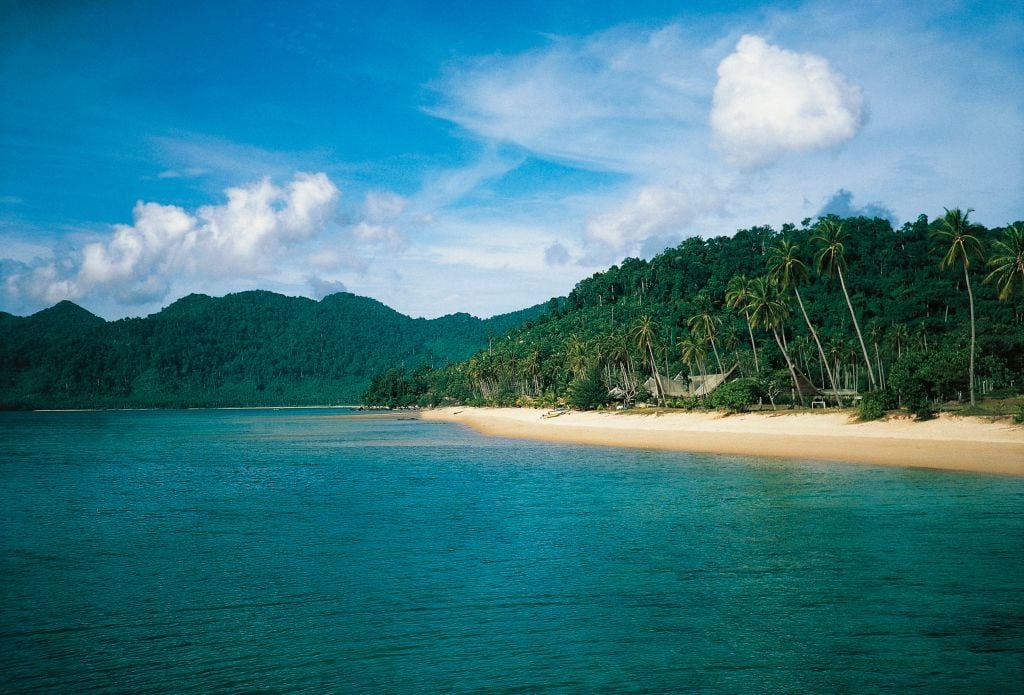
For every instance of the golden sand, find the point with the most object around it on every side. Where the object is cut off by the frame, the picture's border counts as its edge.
(948, 442)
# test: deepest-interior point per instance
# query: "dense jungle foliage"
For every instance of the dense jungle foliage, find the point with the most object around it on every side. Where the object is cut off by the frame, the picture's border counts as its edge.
(245, 349)
(894, 312)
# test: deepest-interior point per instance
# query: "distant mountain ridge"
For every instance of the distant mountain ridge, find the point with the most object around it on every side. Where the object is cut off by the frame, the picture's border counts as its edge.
(247, 348)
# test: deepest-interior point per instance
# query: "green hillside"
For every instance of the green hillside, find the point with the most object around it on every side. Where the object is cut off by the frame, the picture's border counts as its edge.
(250, 348)
(692, 310)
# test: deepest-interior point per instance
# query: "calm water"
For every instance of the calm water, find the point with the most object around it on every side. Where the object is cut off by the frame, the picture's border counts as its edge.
(313, 550)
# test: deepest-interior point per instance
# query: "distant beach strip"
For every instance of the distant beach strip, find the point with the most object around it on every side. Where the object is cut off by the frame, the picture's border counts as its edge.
(947, 442)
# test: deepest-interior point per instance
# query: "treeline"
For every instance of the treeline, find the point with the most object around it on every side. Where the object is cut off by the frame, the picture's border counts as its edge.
(245, 349)
(924, 313)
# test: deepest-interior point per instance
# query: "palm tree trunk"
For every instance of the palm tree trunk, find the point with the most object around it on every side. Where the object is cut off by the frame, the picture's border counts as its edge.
(753, 345)
(657, 376)
(970, 297)
(821, 352)
(704, 378)
(867, 360)
(878, 361)
(720, 370)
(792, 370)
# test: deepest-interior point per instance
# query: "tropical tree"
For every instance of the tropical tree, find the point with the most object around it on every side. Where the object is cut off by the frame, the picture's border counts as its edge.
(704, 325)
(899, 335)
(956, 235)
(644, 334)
(693, 352)
(1007, 261)
(787, 270)
(576, 356)
(769, 311)
(875, 333)
(737, 296)
(830, 258)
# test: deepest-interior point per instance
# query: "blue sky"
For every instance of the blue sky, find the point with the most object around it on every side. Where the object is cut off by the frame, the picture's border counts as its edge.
(462, 157)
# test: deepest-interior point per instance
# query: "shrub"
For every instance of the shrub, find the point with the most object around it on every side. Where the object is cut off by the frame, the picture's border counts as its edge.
(873, 406)
(734, 397)
(588, 392)
(923, 409)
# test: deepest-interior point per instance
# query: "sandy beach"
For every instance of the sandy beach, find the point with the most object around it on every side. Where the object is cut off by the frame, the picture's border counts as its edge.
(947, 442)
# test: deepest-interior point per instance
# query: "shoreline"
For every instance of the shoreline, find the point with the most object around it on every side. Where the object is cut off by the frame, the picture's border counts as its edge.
(946, 442)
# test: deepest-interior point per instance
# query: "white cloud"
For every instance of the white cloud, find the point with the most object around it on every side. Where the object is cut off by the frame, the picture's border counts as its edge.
(661, 214)
(382, 206)
(138, 263)
(624, 100)
(186, 173)
(386, 236)
(770, 101)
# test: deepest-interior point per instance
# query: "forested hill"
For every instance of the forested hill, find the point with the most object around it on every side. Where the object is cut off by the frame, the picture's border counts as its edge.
(250, 348)
(708, 304)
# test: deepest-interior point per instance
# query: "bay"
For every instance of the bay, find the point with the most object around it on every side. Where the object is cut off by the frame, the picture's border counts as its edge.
(306, 550)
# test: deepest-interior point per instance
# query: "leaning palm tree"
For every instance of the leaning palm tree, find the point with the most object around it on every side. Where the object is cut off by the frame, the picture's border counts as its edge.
(956, 236)
(830, 259)
(787, 270)
(769, 311)
(1007, 261)
(737, 296)
(645, 334)
(875, 333)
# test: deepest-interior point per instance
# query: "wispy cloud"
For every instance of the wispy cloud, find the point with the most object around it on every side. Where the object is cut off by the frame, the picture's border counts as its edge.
(186, 173)
(606, 101)
(194, 155)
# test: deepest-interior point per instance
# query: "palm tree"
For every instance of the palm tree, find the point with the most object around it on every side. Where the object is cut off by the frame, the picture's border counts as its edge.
(899, 335)
(1007, 261)
(737, 296)
(831, 259)
(644, 334)
(956, 236)
(576, 355)
(731, 341)
(692, 351)
(875, 333)
(787, 270)
(768, 310)
(836, 349)
(532, 369)
(704, 325)
(800, 348)
(620, 354)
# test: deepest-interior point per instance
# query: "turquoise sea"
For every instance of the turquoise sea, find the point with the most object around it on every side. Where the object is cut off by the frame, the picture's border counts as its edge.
(324, 551)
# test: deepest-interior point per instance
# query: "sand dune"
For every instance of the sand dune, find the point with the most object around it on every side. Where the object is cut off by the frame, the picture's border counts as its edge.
(954, 443)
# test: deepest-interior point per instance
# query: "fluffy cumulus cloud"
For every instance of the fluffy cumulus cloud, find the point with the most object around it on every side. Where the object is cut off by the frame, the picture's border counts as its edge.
(770, 101)
(138, 262)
